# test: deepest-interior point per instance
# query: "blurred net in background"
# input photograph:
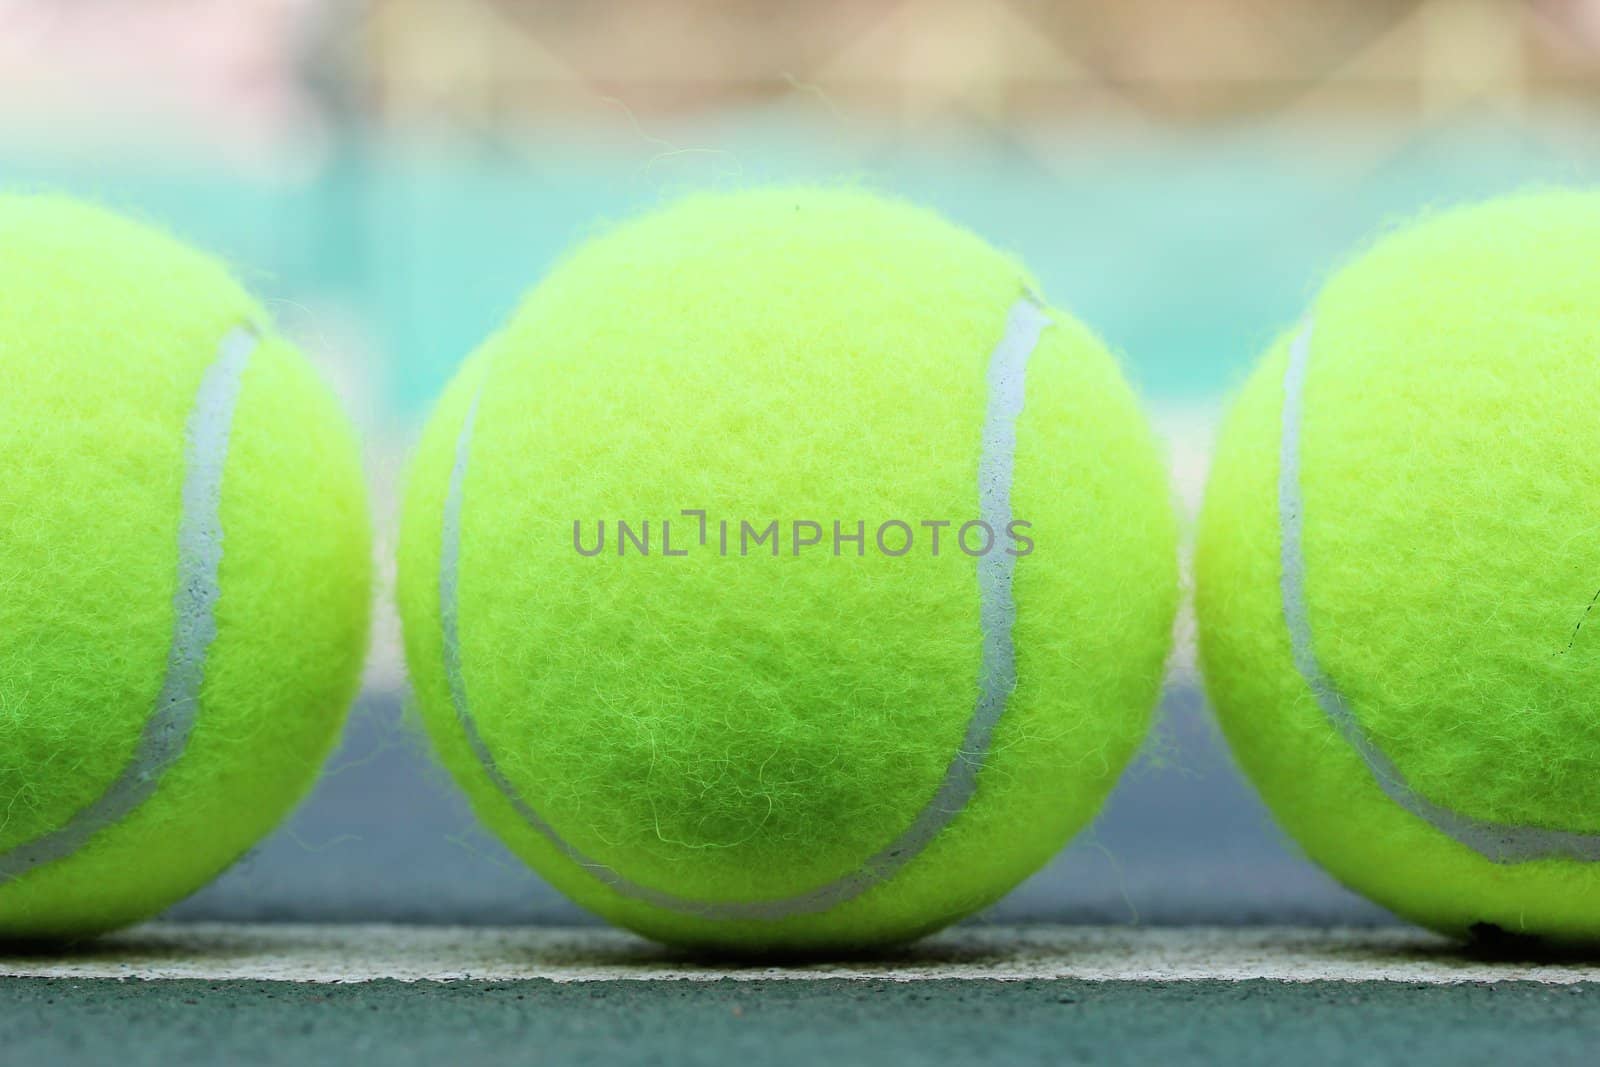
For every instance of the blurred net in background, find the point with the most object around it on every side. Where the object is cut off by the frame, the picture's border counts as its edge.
(227, 72)
(392, 175)
(1001, 61)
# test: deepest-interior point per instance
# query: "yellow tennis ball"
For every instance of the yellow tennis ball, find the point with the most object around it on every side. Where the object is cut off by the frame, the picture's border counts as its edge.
(184, 558)
(1398, 568)
(787, 575)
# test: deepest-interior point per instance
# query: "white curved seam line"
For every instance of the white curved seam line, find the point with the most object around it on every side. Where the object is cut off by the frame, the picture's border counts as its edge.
(1495, 841)
(1007, 380)
(166, 732)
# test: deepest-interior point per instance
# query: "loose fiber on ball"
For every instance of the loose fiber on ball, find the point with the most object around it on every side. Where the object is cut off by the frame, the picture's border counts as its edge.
(184, 567)
(806, 748)
(1397, 569)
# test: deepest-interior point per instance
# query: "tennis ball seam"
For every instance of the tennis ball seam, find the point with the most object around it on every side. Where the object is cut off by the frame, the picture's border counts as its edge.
(1498, 842)
(1026, 321)
(166, 732)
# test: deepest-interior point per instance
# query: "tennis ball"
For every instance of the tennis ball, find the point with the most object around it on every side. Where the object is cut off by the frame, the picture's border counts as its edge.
(1397, 572)
(183, 570)
(786, 576)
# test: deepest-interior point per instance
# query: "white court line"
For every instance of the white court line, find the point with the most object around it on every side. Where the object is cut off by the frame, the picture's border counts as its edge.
(304, 953)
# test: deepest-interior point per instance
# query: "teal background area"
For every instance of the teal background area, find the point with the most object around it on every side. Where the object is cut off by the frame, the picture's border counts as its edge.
(1187, 250)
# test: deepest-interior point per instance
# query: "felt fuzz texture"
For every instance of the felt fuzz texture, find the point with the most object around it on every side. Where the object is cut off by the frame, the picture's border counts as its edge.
(1446, 499)
(184, 570)
(766, 747)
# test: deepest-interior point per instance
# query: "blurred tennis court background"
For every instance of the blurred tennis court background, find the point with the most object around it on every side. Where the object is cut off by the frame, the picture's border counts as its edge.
(391, 175)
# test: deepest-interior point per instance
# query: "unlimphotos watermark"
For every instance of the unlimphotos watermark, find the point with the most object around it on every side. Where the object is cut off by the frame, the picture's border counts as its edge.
(794, 537)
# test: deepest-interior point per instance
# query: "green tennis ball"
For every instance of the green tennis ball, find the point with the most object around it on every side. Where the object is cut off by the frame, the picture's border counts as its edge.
(1398, 569)
(183, 570)
(753, 735)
